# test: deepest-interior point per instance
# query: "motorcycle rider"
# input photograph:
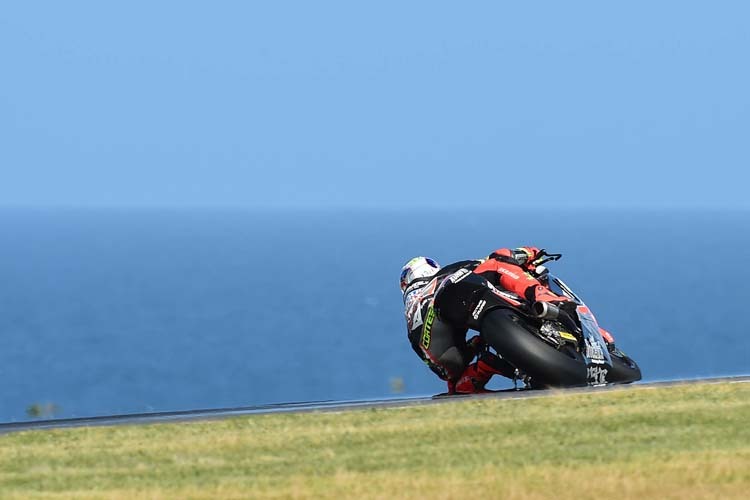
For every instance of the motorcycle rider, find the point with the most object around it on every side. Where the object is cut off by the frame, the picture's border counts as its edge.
(442, 343)
(515, 270)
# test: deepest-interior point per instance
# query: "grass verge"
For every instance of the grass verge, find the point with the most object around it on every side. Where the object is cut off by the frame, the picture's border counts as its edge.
(673, 442)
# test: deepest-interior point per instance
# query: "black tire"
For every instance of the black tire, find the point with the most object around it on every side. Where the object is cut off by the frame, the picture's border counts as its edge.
(624, 369)
(547, 367)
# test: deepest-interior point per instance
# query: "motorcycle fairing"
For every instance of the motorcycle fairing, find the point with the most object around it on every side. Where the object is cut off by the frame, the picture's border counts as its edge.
(596, 354)
(557, 286)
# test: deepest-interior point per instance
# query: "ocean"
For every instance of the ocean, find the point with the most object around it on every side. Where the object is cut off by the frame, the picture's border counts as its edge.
(124, 311)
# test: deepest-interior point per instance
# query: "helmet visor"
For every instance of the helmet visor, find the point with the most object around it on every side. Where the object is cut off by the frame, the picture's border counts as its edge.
(404, 274)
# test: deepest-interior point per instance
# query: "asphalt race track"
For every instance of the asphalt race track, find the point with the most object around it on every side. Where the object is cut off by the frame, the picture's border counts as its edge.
(316, 406)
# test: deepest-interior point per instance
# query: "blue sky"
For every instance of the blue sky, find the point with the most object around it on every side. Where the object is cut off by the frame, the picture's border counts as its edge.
(380, 104)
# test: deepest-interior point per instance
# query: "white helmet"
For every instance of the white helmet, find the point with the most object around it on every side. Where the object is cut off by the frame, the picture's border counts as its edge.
(418, 267)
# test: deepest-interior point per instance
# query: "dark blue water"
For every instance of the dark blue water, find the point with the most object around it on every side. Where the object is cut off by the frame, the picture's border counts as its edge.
(115, 311)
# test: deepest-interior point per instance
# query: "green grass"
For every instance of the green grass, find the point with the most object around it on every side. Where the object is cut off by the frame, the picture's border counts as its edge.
(674, 442)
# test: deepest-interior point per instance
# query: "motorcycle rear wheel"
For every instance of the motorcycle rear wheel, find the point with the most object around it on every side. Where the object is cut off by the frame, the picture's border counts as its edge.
(548, 367)
(506, 332)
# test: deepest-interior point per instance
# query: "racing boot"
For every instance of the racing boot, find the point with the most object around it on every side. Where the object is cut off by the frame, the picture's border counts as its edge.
(475, 345)
(476, 375)
(451, 387)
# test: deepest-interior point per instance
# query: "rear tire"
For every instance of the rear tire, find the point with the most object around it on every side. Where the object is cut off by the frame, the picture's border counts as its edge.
(547, 367)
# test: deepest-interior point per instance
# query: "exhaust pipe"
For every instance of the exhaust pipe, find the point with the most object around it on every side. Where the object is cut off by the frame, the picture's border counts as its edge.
(545, 310)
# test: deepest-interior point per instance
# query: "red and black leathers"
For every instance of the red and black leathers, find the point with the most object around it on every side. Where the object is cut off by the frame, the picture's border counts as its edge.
(510, 269)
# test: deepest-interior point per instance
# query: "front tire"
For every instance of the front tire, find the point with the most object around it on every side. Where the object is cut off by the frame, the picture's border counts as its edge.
(624, 369)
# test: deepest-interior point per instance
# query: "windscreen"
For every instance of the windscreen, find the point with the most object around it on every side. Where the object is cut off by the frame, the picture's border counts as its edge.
(556, 285)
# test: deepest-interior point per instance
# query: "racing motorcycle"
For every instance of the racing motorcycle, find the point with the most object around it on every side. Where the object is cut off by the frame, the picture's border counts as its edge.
(549, 346)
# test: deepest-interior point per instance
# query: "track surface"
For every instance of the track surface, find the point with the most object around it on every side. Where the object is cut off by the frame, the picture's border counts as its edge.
(219, 413)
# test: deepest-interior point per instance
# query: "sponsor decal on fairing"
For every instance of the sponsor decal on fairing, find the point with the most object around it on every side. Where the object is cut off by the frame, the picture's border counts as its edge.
(596, 375)
(594, 351)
